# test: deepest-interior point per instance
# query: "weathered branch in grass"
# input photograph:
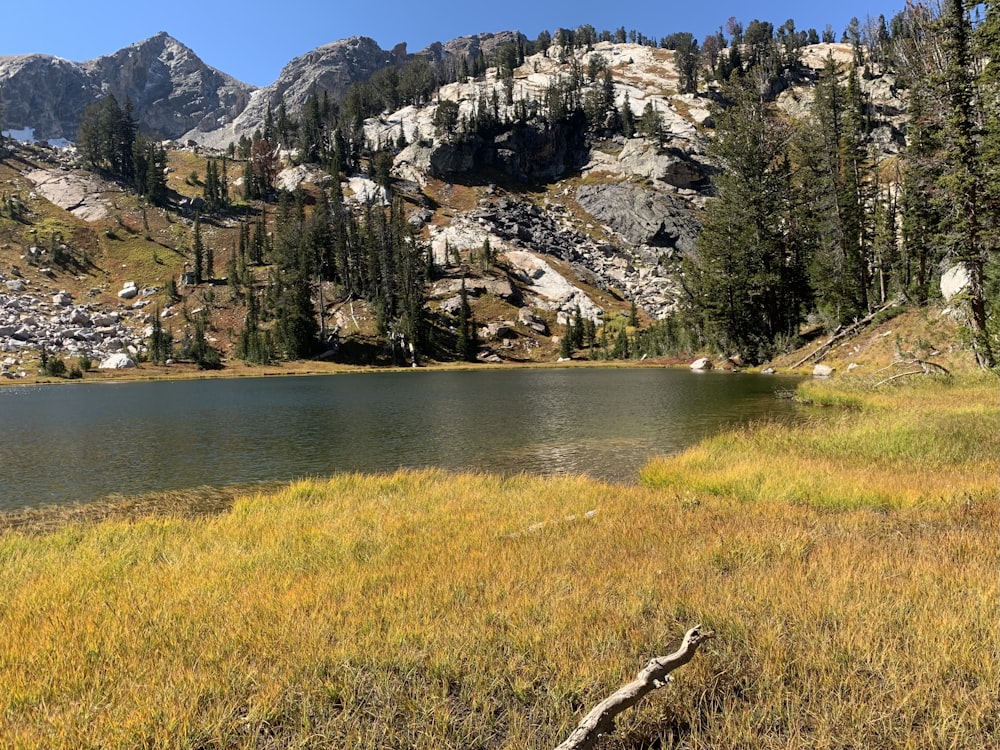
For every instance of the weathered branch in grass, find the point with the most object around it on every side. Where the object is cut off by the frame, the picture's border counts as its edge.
(653, 676)
(926, 368)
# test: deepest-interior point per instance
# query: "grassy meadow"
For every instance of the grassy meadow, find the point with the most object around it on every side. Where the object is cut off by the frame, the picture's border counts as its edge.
(849, 568)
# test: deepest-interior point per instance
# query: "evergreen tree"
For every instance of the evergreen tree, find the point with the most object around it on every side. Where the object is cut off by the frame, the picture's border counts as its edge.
(577, 329)
(747, 284)
(197, 348)
(833, 154)
(686, 60)
(965, 225)
(160, 343)
(628, 118)
(198, 252)
(467, 346)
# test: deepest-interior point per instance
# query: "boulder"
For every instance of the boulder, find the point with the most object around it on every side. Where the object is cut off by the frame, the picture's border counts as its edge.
(822, 371)
(643, 158)
(701, 364)
(118, 361)
(129, 291)
(15, 285)
(79, 317)
(527, 318)
(954, 281)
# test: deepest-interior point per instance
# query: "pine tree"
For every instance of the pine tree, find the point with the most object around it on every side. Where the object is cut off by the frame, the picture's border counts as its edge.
(966, 236)
(467, 346)
(198, 251)
(747, 285)
(628, 118)
(160, 343)
(837, 196)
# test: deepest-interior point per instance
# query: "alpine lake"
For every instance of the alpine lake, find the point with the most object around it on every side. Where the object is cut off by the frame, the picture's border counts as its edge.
(76, 443)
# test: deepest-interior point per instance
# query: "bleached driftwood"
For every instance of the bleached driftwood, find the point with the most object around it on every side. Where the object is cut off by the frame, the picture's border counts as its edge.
(654, 675)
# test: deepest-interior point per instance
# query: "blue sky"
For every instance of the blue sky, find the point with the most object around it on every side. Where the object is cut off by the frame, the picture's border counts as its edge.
(252, 40)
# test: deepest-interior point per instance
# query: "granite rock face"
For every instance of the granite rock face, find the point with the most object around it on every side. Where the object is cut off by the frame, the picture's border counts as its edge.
(640, 215)
(171, 89)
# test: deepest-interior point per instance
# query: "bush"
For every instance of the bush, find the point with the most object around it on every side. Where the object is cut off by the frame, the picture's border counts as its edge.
(55, 367)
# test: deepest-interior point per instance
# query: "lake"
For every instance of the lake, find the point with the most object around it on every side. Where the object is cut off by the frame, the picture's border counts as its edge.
(80, 442)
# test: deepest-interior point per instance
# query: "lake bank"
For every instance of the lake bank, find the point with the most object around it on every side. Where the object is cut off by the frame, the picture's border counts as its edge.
(431, 609)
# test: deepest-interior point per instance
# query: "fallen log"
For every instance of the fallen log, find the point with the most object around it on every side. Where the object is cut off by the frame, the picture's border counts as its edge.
(653, 676)
(842, 333)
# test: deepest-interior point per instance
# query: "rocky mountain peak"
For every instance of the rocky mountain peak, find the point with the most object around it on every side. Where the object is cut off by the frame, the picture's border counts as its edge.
(172, 90)
(471, 46)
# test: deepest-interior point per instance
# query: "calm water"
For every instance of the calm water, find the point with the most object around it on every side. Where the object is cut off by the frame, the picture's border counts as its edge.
(74, 443)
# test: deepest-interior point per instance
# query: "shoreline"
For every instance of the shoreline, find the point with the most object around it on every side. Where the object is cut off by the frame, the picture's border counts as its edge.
(302, 368)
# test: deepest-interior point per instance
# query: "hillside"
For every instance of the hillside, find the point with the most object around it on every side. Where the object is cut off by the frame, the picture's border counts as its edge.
(547, 224)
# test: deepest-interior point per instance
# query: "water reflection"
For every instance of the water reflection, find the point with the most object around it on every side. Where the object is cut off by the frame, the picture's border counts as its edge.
(80, 442)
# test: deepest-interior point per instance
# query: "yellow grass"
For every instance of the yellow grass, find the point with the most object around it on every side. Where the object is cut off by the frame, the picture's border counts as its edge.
(429, 610)
(932, 442)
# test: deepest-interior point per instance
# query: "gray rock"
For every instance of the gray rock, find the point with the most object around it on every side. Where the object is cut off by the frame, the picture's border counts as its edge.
(701, 364)
(171, 89)
(954, 281)
(15, 285)
(822, 371)
(643, 158)
(641, 216)
(118, 361)
(79, 317)
(527, 318)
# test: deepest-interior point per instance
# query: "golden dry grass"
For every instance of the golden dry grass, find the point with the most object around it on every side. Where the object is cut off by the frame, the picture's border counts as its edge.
(424, 609)
(929, 442)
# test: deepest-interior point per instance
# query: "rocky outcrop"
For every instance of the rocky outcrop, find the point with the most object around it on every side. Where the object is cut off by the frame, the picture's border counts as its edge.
(529, 152)
(171, 89)
(45, 96)
(641, 157)
(516, 225)
(331, 68)
(641, 216)
(83, 194)
(469, 47)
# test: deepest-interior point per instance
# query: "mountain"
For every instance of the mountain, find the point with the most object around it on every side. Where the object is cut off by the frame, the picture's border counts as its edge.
(172, 90)
(331, 68)
(585, 220)
(177, 96)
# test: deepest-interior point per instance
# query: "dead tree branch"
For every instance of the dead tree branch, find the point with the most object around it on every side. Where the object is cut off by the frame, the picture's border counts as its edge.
(654, 675)
(840, 334)
(926, 368)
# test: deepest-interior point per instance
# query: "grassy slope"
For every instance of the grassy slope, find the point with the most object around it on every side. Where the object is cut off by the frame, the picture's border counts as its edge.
(430, 610)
